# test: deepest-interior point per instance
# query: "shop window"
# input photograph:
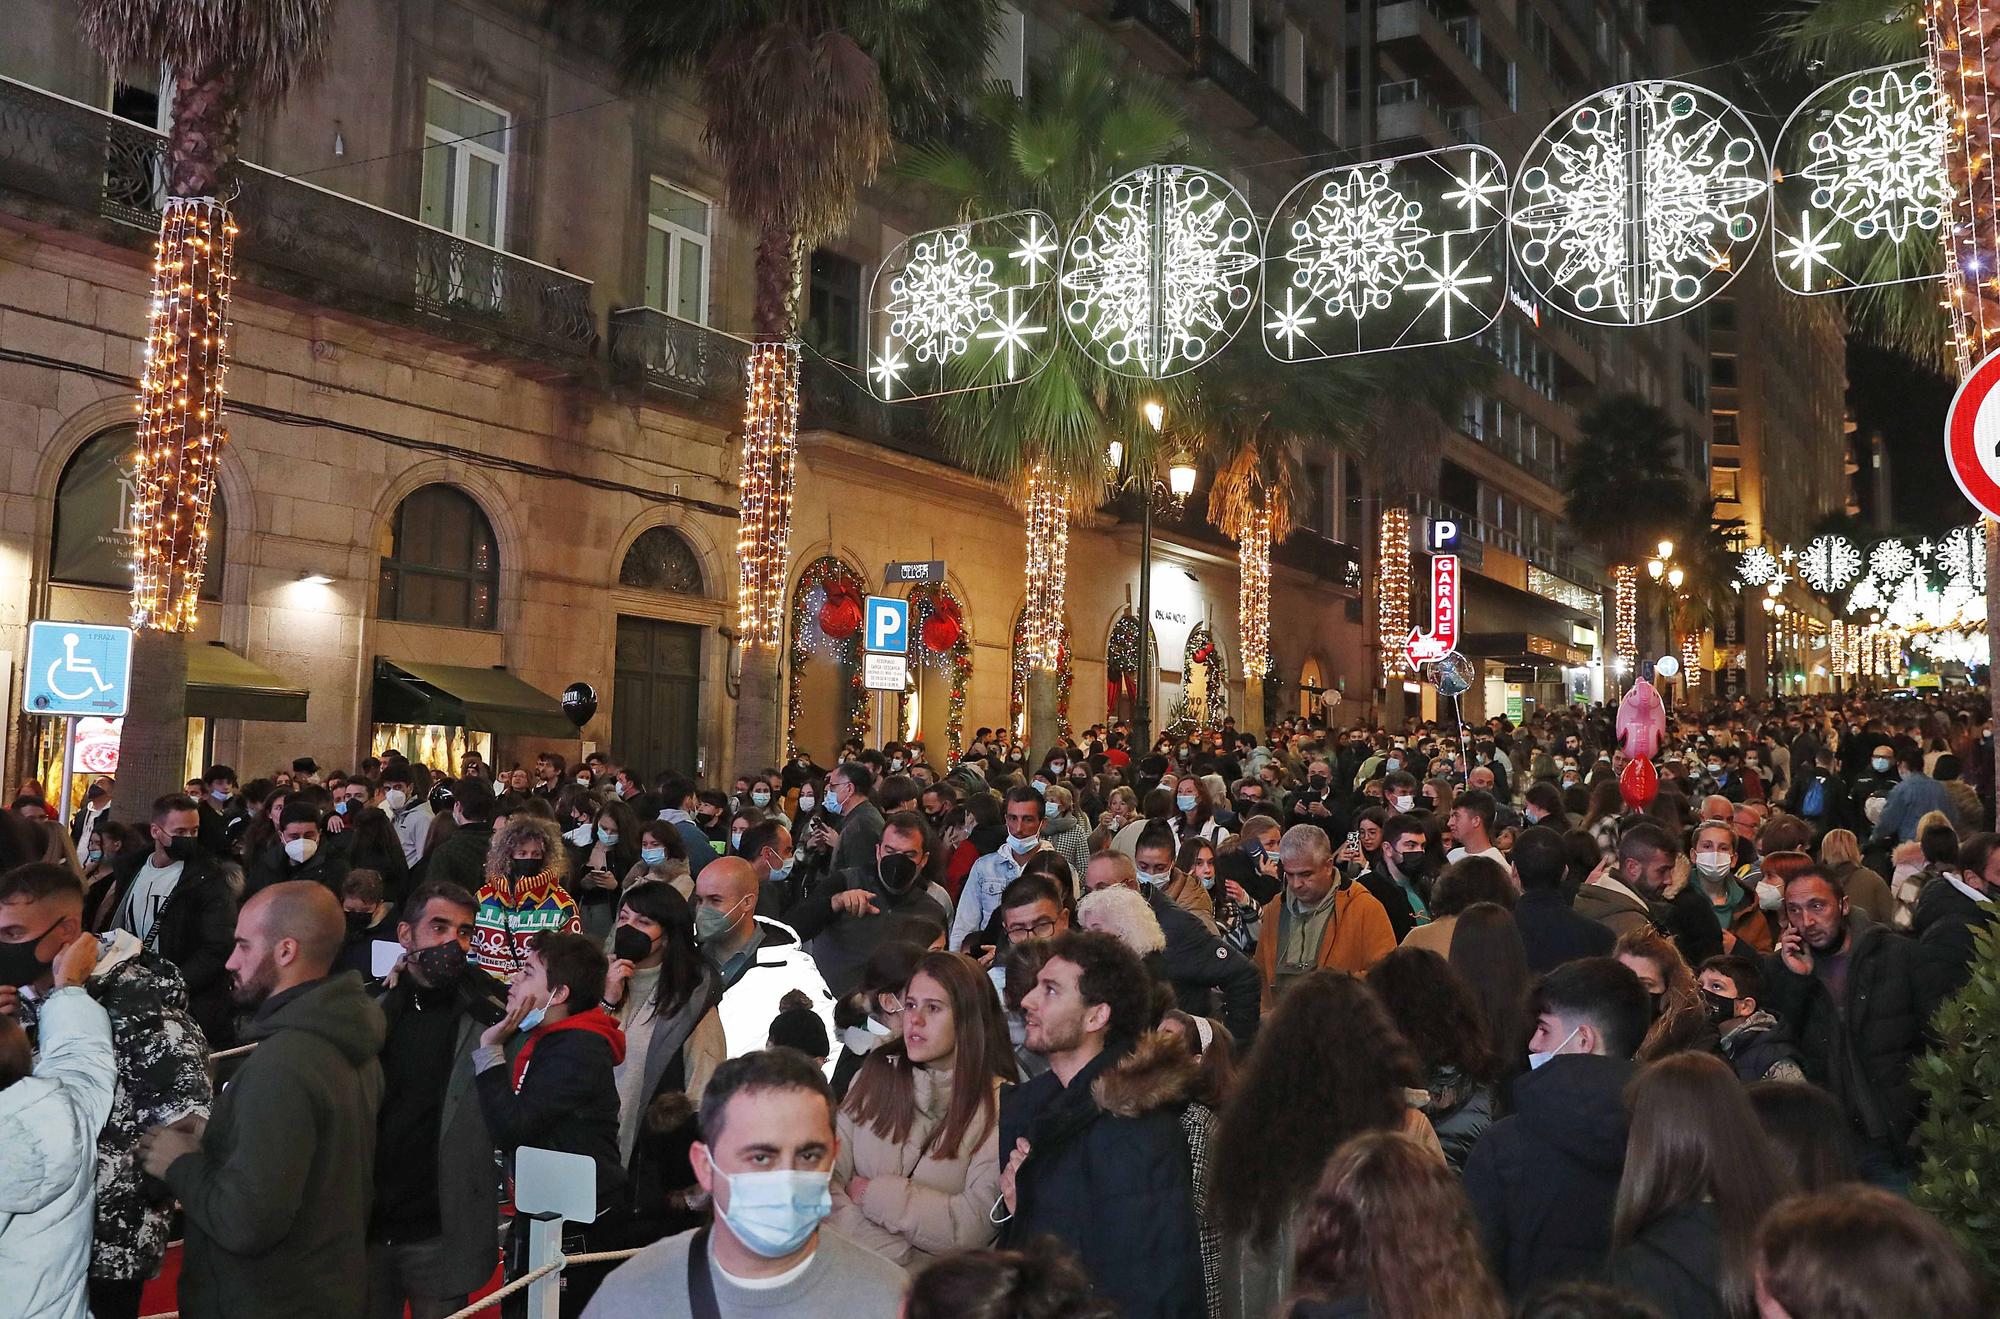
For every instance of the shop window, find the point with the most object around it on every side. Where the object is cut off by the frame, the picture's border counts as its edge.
(662, 560)
(93, 529)
(439, 562)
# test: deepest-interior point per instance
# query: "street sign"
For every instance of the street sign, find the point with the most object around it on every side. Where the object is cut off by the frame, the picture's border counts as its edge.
(77, 668)
(1441, 536)
(888, 625)
(1972, 437)
(1427, 647)
(923, 572)
(884, 673)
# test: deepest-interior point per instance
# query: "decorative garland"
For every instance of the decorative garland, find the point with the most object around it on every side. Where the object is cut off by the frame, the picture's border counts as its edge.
(1121, 663)
(1018, 684)
(1201, 649)
(808, 598)
(956, 663)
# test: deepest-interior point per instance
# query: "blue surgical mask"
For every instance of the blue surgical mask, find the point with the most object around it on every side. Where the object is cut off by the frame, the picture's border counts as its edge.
(220, 794)
(832, 804)
(609, 837)
(1185, 801)
(534, 1018)
(1028, 844)
(340, 807)
(1050, 808)
(1535, 1060)
(773, 1213)
(735, 839)
(1040, 786)
(784, 871)
(759, 797)
(1881, 764)
(1392, 764)
(652, 856)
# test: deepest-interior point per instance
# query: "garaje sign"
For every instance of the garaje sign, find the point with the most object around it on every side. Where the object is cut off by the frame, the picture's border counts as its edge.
(1426, 647)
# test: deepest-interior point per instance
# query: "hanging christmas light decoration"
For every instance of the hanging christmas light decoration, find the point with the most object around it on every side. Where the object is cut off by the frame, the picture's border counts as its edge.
(1962, 554)
(1392, 590)
(1390, 254)
(1691, 658)
(1625, 579)
(1253, 593)
(1890, 562)
(1829, 563)
(824, 578)
(1862, 190)
(964, 307)
(1048, 566)
(1639, 202)
(180, 411)
(1160, 272)
(1956, 41)
(770, 451)
(1836, 647)
(1757, 566)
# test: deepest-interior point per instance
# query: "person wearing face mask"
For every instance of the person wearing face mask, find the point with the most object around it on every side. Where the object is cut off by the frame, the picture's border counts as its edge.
(370, 917)
(408, 809)
(1063, 830)
(845, 919)
(662, 856)
(1543, 1181)
(1915, 796)
(175, 900)
(162, 1076)
(1153, 856)
(430, 1232)
(525, 893)
(1871, 783)
(1315, 803)
(678, 804)
(300, 851)
(766, 1158)
(608, 850)
(1208, 976)
(1401, 874)
(1022, 813)
(224, 813)
(758, 959)
(1753, 1041)
(1730, 890)
(557, 1090)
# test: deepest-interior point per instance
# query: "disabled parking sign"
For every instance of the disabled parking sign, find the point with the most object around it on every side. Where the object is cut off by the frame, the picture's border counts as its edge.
(77, 668)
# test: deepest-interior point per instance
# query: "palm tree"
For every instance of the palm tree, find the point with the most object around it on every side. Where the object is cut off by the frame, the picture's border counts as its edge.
(802, 98)
(1082, 124)
(223, 56)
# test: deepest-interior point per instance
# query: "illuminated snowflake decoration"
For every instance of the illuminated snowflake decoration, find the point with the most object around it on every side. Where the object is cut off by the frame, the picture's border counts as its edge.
(1962, 554)
(1867, 595)
(1829, 563)
(1890, 562)
(1160, 272)
(1862, 190)
(964, 307)
(1757, 567)
(1389, 254)
(1640, 203)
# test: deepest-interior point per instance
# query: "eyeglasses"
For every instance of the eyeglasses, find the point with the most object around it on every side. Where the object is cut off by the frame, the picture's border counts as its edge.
(1041, 929)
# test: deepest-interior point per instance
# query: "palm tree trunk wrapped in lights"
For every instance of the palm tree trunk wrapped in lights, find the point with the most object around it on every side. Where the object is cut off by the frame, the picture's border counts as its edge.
(221, 57)
(1625, 618)
(1392, 590)
(770, 444)
(1253, 604)
(1047, 510)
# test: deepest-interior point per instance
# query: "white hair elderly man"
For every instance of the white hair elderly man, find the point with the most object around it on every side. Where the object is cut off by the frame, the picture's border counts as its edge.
(1319, 921)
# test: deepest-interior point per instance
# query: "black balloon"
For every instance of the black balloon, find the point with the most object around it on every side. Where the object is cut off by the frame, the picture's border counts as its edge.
(579, 701)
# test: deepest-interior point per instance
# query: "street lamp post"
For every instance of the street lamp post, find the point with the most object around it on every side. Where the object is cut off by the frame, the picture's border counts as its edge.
(1180, 482)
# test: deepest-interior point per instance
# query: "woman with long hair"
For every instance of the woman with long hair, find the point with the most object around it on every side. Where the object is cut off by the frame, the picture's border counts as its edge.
(1680, 1016)
(1461, 884)
(1328, 1064)
(1196, 860)
(1435, 1009)
(1857, 1252)
(919, 1161)
(1193, 816)
(1543, 805)
(663, 857)
(1607, 804)
(598, 864)
(1486, 949)
(1699, 1175)
(527, 875)
(1388, 1234)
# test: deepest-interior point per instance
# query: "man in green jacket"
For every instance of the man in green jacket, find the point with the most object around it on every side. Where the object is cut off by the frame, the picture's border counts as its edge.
(276, 1185)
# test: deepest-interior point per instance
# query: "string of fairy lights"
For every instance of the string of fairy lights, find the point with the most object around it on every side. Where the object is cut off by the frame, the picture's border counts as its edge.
(1955, 42)
(1048, 566)
(1392, 595)
(770, 453)
(1625, 616)
(1253, 593)
(180, 411)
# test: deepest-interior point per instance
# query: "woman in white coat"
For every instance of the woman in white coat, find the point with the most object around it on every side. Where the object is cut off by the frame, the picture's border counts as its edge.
(919, 1162)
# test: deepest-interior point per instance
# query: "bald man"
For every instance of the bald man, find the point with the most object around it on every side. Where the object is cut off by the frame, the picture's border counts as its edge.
(277, 1183)
(759, 960)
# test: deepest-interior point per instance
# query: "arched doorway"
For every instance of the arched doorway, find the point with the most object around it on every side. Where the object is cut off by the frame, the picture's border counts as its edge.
(1204, 699)
(825, 704)
(1312, 681)
(657, 663)
(1122, 670)
(932, 711)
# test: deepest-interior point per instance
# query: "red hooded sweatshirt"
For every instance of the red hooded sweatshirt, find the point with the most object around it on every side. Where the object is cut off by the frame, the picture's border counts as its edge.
(597, 1021)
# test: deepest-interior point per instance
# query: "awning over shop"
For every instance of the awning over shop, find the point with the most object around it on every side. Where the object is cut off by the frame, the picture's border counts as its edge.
(222, 684)
(1523, 648)
(485, 700)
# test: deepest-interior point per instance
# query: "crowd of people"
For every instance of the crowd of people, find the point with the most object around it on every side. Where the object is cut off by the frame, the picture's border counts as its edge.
(1333, 1021)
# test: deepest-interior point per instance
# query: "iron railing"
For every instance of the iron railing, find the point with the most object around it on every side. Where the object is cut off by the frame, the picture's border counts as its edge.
(1209, 57)
(680, 356)
(305, 239)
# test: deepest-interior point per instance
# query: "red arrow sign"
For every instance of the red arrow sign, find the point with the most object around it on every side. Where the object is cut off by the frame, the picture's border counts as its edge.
(1426, 647)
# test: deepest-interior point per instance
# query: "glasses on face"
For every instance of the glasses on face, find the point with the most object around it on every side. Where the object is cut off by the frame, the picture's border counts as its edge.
(1040, 929)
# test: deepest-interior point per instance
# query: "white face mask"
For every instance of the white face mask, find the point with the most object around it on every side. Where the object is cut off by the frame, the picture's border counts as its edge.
(301, 850)
(394, 798)
(1770, 896)
(581, 835)
(1535, 1060)
(1403, 802)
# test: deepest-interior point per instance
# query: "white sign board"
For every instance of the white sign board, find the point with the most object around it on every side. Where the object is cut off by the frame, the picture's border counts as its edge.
(885, 673)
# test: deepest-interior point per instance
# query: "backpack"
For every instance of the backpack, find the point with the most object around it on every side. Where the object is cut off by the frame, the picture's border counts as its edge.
(1813, 804)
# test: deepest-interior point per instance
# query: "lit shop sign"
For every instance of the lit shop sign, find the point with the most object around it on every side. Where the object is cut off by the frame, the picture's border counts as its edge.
(1442, 639)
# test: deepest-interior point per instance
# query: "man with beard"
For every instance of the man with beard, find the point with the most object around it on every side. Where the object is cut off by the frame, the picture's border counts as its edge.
(1401, 878)
(845, 919)
(430, 1233)
(276, 1184)
(1856, 996)
(1114, 1187)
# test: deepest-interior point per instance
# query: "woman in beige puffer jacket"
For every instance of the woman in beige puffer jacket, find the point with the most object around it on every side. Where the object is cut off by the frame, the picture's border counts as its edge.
(919, 1163)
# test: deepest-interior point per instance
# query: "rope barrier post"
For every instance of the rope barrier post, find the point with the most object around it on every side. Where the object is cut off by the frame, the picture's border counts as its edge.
(551, 1188)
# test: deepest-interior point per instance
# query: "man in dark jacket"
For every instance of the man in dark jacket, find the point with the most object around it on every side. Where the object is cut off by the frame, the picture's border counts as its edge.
(461, 858)
(1199, 966)
(224, 814)
(276, 1185)
(847, 795)
(1400, 878)
(845, 919)
(559, 1091)
(1115, 1190)
(175, 900)
(1543, 1181)
(299, 853)
(1857, 997)
(1552, 931)
(1954, 907)
(431, 1233)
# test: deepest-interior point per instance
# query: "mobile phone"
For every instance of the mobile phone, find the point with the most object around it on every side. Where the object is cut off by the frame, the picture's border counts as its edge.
(1353, 835)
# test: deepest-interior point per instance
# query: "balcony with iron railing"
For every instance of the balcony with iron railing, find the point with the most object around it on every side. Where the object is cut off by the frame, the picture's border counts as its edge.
(1408, 110)
(1210, 60)
(82, 167)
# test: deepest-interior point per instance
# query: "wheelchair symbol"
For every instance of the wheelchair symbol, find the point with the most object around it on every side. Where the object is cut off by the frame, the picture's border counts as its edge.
(72, 664)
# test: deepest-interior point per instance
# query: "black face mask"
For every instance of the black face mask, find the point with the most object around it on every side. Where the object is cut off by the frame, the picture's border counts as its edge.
(1414, 865)
(181, 848)
(18, 963)
(440, 964)
(357, 921)
(631, 944)
(898, 872)
(1720, 1009)
(524, 867)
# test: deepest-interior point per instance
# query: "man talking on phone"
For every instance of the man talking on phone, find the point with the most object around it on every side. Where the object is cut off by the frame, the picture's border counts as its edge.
(1856, 995)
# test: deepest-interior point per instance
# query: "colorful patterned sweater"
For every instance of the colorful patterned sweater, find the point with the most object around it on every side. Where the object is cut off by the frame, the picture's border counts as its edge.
(513, 911)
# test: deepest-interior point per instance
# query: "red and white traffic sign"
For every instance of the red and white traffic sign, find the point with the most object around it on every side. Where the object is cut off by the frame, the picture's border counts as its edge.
(1972, 437)
(1425, 647)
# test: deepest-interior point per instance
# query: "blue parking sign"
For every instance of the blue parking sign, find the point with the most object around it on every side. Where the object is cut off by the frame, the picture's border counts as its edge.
(888, 625)
(77, 668)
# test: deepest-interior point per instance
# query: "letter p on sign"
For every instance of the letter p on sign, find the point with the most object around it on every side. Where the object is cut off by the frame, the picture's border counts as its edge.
(888, 627)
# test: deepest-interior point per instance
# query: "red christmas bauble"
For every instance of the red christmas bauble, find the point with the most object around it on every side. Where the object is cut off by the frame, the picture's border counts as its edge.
(941, 633)
(840, 616)
(1638, 784)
